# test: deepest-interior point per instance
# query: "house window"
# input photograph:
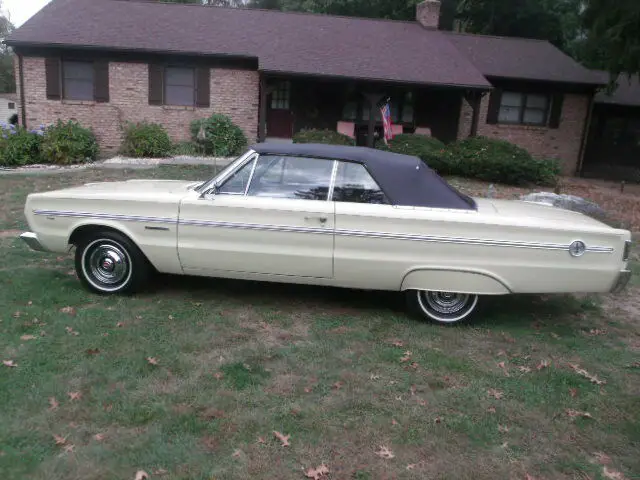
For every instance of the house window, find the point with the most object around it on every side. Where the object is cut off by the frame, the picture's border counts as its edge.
(281, 96)
(524, 108)
(12, 106)
(78, 80)
(179, 86)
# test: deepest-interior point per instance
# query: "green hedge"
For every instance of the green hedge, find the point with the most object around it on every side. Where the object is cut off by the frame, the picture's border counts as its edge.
(499, 161)
(222, 137)
(145, 139)
(323, 136)
(68, 142)
(19, 146)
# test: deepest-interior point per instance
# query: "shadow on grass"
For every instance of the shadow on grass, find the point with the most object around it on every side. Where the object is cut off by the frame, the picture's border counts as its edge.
(492, 311)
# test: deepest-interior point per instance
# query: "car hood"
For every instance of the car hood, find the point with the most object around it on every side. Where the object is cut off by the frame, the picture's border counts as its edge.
(129, 190)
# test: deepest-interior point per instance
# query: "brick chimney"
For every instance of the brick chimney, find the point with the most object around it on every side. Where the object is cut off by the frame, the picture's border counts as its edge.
(428, 13)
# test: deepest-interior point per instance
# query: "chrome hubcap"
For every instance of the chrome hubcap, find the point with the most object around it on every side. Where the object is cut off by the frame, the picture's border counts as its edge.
(446, 303)
(108, 264)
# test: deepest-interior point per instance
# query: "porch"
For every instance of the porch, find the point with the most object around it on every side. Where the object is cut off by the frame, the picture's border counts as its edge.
(291, 104)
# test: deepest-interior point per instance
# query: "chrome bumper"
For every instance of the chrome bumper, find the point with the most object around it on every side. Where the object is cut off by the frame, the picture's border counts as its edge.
(31, 239)
(622, 281)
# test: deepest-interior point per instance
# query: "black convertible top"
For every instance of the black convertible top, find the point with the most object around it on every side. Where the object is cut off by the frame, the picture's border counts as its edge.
(405, 180)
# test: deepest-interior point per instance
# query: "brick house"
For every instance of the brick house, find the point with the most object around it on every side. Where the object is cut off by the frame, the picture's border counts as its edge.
(106, 62)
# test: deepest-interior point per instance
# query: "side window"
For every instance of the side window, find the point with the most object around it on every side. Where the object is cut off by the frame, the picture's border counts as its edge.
(354, 184)
(237, 183)
(291, 177)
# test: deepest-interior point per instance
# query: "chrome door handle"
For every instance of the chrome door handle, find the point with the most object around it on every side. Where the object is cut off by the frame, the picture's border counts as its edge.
(320, 219)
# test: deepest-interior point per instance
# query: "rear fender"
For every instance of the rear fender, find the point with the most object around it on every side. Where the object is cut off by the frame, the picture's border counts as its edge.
(455, 281)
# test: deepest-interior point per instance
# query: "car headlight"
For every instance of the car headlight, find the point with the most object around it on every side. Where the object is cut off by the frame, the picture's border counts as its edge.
(577, 248)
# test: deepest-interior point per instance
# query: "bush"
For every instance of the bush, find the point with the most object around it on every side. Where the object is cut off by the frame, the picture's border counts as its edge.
(429, 149)
(186, 148)
(146, 140)
(19, 146)
(223, 138)
(323, 136)
(499, 161)
(68, 142)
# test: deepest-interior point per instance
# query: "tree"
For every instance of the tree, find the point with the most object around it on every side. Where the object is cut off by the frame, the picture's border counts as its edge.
(612, 36)
(7, 78)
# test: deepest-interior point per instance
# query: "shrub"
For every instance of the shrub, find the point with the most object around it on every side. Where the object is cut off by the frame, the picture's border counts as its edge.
(429, 149)
(186, 148)
(323, 136)
(19, 146)
(146, 140)
(68, 142)
(223, 138)
(499, 161)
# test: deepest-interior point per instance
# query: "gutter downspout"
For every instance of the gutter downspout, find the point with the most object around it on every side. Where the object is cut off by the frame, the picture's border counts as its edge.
(23, 107)
(585, 135)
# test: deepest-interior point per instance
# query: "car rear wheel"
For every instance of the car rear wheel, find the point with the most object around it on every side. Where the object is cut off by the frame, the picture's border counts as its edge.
(442, 307)
(108, 262)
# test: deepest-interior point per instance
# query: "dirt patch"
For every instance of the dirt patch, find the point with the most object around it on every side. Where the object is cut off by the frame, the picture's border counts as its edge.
(9, 233)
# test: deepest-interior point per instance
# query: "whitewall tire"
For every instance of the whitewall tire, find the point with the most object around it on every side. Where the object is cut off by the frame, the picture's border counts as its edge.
(442, 307)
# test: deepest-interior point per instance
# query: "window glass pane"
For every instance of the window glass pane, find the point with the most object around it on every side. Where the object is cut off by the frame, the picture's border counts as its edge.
(365, 112)
(78, 70)
(291, 177)
(179, 76)
(509, 115)
(350, 111)
(178, 95)
(280, 96)
(354, 184)
(534, 116)
(394, 112)
(237, 183)
(537, 101)
(511, 99)
(407, 113)
(78, 89)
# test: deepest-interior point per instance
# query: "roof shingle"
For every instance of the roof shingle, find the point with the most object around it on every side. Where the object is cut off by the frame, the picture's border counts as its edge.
(627, 93)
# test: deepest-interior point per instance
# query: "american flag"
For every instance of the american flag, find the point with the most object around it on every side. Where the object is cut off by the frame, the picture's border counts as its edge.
(386, 121)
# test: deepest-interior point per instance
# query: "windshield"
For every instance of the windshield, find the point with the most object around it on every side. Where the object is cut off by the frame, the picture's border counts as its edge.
(228, 169)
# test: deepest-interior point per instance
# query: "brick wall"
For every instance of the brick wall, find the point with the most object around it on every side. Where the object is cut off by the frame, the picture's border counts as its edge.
(562, 143)
(233, 93)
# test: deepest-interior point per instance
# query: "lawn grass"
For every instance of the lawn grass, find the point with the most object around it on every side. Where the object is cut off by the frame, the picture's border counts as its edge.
(190, 379)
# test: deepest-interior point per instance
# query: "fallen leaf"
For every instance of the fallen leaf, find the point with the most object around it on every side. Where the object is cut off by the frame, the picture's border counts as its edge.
(53, 403)
(93, 351)
(412, 390)
(497, 394)
(508, 338)
(29, 303)
(524, 369)
(317, 473)
(596, 331)
(504, 368)
(27, 337)
(237, 452)
(68, 310)
(283, 438)
(384, 452)
(59, 439)
(43, 333)
(170, 317)
(159, 471)
(577, 413)
(17, 314)
(138, 317)
(501, 353)
(543, 364)
(398, 343)
(119, 324)
(218, 375)
(573, 392)
(153, 361)
(71, 331)
(503, 428)
(422, 402)
(141, 475)
(337, 385)
(529, 477)
(584, 373)
(612, 474)
(505, 445)
(393, 421)
(412, 466)
(308, 389)
(413, 365)
(374, 377)
(491, 409)
(74, 395)
(99, 437)
(406, 358)
(438, 420)
(555, 335)
(108, 408)
(261, 440)
(9, 363)
(69, 448)
(602, 458)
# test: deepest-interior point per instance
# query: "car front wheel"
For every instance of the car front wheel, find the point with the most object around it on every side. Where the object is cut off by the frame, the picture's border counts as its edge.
(442, 307)
(108, 262)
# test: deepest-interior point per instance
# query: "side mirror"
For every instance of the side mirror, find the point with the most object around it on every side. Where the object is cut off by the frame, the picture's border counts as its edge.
(212, 190)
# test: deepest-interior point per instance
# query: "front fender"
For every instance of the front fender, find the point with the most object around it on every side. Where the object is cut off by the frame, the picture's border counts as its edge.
(445, 279)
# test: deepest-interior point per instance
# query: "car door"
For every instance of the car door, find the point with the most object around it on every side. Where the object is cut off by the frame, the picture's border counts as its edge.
(271, 216)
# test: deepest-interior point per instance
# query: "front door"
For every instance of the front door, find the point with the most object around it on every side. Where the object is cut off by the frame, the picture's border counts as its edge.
(279, 114)
(270, 217)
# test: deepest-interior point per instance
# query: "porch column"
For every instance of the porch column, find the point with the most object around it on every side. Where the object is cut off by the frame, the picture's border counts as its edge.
(262, 116)
(373, 99)
(475, 100)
